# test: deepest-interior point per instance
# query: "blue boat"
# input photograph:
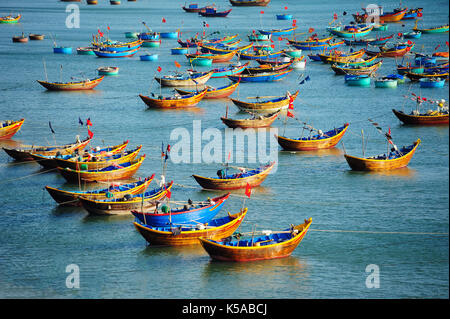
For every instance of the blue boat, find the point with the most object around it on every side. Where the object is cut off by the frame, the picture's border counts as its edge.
(314, 57)
(117, 46)
(412, 35)
(149, 57)
(261, 77)
(149, 36)
(201, 212)
(169, 35)
(176, 51)
(113, 54)
(230, 69)
(62, 50)
(432, 83)
(284, 16)
(318, 46)
(357, 80)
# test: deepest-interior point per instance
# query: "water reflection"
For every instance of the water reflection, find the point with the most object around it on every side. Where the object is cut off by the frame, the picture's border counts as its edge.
(405, 172)
(185, 252)
(260, 190)
(319, 153)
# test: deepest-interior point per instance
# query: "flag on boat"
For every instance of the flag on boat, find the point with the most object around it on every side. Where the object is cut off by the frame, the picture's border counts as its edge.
(159, 69)
(88, 122)
(289, 114)
(91, 135)
(248, 190)
(163, 20)
(177, 64)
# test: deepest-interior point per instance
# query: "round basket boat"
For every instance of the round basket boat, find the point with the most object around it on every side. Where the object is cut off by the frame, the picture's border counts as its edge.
(62, 50)
(131, 35)
(432, 83)
(386, 83)
(33, 36)
(284, 16)
(201, 62)
(151, 43)
(149, 57)
(169, 35)
(20, 39)
(176, 51)
(85, 51)
(108, 70)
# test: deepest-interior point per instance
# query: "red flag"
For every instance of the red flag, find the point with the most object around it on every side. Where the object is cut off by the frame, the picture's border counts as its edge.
(159, 69)
(248, 190)
(311, 30)
(108, 28)
(335, 16)
(272, 46)
(289, 114)
(177, 64)
(294, 23)
(88, 122)
(446, 43)
(280, 39)
(100, 32)
(207, 25)
(90, 133)
(437, 47)
(419, 14)
(424, 98)
(389, 131)
(163, 20)
(262, 12)
(168, 194)
(168, 148)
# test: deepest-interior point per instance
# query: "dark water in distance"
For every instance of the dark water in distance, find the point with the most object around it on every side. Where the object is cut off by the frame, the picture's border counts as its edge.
(38, 239)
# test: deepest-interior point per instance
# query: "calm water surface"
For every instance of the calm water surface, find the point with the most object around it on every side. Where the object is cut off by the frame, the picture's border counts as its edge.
(38, 239)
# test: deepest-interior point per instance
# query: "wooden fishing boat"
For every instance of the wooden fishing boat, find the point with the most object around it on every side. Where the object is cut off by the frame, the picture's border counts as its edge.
(318, 46)
(428, 118)
(200, 62)
(86, 50)
(189, 234)
(261, 55)
(359, 62)
(356, 70)
(198, 212)
(145, 36)
(256, 37)
(9, 128)
(189, 79)
(412, 35)
(215, 93)
(270, 105)
(10, 19)
(310, 40)
(20, 38)
(391, 52)
(269, 67)
(90, 162)
(439, 29)
(240, 180)
(116, 190)
(223, 48)
(412, 14)
(177, 101)
(72, 86)
(249, 3)
(254, 122)
(338, 56)
(117, 46)
(115, 54)
(278, 32)
(392, 160)
(193, 7)
(322, 140)
(393, 16)
(212, 12)
(428, 74)
(169, 35)
(369, 41)
(293, 52)
(432, 82)
(34, 36)
(231, 69)
(262, 246)
(261, 77)
(124, 205)
(216, 58)
(110, 173)
(351, 31)
(23, 154)
(108, 70)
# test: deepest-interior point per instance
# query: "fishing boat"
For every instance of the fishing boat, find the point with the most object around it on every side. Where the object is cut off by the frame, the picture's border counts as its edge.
(357, 80)
(200, 61)
(392, 160)
(36, 37)
(413, 76)
(62, 50)
(249, 3)
(108, 70)
(169, 35)
(115, 54)
(338, 56)
(179, 51)
(318, 46)
(92, 2)
(20, 39)
(256, 121)
(412, 14)
(432, 82)
(412, 35)
(224, 48)
(356, 70)
(359, 62)
(261, 77)
(263, 245)
(132, 35)
(351, 31)
(114, 2)
(117, 46)
(400, 78)
(9, 128)
(284, 16)
(396, 51)
(215, 58)
(23, 153)
(278, 32)
(215, 93)
(172, 235)
(261, 55)
(88, 162)
(151, 43)
(192, 212)
(430, 117)
(380, 27)
(225, 181)
(231, 69)
(149, 57)
(212, 12)
(88, 84)
(273, 104)
(110, 173)
(115, 190)
(385, 82)
(311, 40)
(293, 52)
(10, 19)
(299, 63)
(439, 29)
(256, 37)
(321, 140)
(150, 35)
(269, 67)
(393, 16)
(86, 50)
(124, 205)
(193, 7)
(189, 79)
(369, 41)
(172, 102)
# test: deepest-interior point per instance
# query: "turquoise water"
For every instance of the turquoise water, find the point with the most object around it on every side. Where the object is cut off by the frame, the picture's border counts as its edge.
(38, 239)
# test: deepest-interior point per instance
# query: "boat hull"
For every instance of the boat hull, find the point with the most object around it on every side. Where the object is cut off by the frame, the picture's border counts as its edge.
(266, 106)
(421, 119)
(173, 103)
(72, 86)
(250, 123)
(9, 130)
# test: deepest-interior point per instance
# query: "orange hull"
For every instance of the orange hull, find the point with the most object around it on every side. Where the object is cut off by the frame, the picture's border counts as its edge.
(173, 103)
(9, 130)
(421, 119)
(72, 86)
